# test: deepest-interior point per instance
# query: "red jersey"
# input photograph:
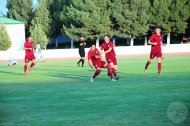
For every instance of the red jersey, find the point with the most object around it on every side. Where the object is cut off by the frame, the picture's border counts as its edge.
(92, 55)
(28, 44)
(105, 46)
(156, 39)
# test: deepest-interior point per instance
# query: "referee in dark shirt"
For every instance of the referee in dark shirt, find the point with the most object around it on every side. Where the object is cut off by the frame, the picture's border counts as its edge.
(81, 51)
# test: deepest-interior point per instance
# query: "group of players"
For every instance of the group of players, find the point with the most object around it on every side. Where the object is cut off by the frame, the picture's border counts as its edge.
(95, 56)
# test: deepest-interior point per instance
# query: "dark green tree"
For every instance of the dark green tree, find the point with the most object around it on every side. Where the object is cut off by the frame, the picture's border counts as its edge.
(39, 35)
(5, 42)
(21, 10)
(130, 17)
(42, 17)
(90, 18)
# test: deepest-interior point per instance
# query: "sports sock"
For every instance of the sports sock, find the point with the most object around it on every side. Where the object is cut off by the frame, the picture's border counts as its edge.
(25, 68)
(96, 73)
(114, 72)
(109, 71)
(79, 61)
(33, 64)
(159, 67)
(82, 63)
(147, 64)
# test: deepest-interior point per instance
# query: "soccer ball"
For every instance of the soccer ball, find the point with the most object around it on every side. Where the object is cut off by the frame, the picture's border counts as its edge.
(12, 62)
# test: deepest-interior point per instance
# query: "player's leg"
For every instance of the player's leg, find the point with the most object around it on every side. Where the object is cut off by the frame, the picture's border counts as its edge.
(78, 63)
(32, 65)
(98, 71)
(159, 65)
(83, 58)
(25, 67)
(114, 70)
(149, 62)
(106, 65)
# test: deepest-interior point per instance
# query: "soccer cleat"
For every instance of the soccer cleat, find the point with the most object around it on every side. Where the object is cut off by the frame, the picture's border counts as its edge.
(117, 78)
(159, 74)
(113, 80)
(92, 79)
(145, 70)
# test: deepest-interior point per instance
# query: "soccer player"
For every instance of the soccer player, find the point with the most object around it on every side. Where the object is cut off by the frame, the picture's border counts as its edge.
(107, 48)
(95, 62)
(38, 52)
(156, 41)
(81, 51)
(29, 54)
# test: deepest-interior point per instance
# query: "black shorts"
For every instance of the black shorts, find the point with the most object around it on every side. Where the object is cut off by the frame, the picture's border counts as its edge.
(82, 54)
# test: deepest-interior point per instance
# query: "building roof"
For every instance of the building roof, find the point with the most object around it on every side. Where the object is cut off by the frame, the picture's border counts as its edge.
(5, 20)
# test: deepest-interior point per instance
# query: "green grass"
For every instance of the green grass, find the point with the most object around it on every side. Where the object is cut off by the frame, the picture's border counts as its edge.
(58, 93)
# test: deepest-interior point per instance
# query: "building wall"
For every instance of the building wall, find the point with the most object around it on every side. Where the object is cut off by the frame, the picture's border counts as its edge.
(17, 35)
(72, 53)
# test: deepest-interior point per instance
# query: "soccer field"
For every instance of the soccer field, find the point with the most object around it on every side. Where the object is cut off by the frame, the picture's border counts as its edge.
(58, 93)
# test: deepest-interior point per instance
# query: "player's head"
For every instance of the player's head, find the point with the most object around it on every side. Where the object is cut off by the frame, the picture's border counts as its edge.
(81, 38)
(106, 38)
(38, 42)
(158, 30)
(93, 47)
(29, 39)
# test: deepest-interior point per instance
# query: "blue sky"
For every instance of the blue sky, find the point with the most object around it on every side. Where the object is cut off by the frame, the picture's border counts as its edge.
(3, 4)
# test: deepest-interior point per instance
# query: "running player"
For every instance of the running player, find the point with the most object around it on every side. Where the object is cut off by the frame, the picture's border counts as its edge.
(95, 62)
(156, 41)
(39, 52)
(29, 54)
(107, 48)
(81, 51)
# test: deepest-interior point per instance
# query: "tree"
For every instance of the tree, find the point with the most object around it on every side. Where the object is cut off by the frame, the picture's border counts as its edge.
(130, 17)
(21, 10)
(5, 42)
(39, 35)
(42, 17)
(171, 15)
(87, 17)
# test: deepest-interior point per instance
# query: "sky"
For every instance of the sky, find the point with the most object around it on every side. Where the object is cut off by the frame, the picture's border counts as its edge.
(3, 3)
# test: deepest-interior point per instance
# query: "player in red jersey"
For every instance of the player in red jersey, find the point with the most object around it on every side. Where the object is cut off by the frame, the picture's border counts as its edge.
(95, 62)
(156, 41)
(29, 54)
(107, 48)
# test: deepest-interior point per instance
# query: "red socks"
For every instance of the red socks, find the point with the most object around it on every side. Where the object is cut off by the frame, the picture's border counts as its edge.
(114, 72)
(96, 73)
(159, 67)
(33, 64)
(25, 68)
(147, 64)
(109, 71)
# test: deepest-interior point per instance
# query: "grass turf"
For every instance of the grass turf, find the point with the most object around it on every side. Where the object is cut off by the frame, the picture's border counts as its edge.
(58, 93)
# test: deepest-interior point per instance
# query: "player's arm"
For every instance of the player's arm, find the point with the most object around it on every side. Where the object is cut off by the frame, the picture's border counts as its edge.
(150, 40)
(163, 44)
(109, 50)
(27, 48)
(90, 64)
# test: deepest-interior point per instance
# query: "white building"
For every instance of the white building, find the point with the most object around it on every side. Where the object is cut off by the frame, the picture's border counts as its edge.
(16, 32)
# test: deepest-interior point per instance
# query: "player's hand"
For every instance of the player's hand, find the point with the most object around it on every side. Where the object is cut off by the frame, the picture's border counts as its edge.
(164, 44)
(154, 43)
(30, 49)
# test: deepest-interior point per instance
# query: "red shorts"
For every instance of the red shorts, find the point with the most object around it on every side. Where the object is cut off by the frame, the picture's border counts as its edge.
(111, 60)
(99, 63)
(157, 54)
(29, 58)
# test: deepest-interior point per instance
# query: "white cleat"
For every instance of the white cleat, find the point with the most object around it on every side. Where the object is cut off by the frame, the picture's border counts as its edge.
(92, 80)
(113, 80)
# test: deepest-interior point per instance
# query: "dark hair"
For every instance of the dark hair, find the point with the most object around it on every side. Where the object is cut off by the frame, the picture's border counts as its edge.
(38, 42)
(80, 36)
(107, 36)
(157, 27)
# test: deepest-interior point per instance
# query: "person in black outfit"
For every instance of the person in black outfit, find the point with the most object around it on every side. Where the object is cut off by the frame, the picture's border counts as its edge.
(81, 51)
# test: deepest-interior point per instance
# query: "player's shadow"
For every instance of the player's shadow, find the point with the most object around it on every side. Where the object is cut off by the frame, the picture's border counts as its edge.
(69, 76)
(8, 72)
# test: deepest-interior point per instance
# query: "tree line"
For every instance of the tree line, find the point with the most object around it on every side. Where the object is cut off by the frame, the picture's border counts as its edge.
(95, 18)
